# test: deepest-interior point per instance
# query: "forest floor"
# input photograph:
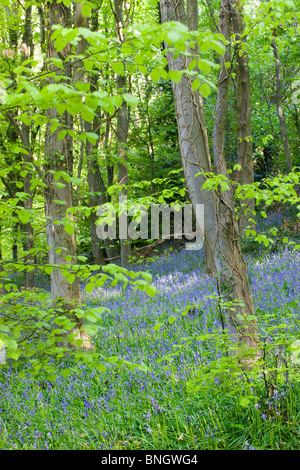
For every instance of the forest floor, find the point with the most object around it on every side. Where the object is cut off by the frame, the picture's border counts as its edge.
(187, 398)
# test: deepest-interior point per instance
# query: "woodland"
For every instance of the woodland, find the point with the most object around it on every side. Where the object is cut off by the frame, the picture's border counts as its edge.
(149, 343)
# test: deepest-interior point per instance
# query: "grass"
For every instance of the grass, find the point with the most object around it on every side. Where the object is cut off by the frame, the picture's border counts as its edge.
(186, 399)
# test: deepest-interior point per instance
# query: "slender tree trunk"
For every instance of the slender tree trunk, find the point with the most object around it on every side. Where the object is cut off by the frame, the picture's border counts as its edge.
(220, 114)
(244, 133)
(59, 197)
(110, 245)
(297, 126)
(122, 129)
(28, 203)
(122, 133)
(191, 19)
(97, 189)
(109, 164)
(279, 109)
(41, 15)
(221, 227)
(97, 196)
(80, 164)
(283, 130)
(94, 174)
(15, 231)
(227, 142)
(267, 163)
(12, 136)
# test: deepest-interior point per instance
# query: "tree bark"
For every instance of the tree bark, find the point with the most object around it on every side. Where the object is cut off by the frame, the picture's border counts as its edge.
(95, 181)
(191, 18)
(97, 196)
(122, 130)
(279, 109)
(28, 203)
(244, 133)
(221, 228)
(220, 113)
(59, 194)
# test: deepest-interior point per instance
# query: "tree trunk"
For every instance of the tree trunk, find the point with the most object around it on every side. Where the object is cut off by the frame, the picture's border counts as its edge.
(110, 245)
(295, 114)
(279, 109)
(96, 196)
(122, 131)
(28, 203)
(220, 113)
(244, 134)
(94, 175)
(221, 228)
(191, 18)
(59, 194)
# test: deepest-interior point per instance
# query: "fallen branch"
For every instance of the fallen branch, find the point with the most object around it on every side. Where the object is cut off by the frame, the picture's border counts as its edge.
(152, 245)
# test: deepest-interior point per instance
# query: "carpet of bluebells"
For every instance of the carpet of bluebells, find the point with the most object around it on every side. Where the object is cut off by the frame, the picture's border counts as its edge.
(154, 409)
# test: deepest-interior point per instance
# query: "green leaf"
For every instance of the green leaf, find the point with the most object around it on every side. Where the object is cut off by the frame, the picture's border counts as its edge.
(155, 75)
(60, 108)
(91, 330)
(87, 115)
(85, 87)
(118, 68)
(196, 84)
(139, 59)
(71, 278)
(62, 134)
(14, 354)
(101, 367)
(147, 276)
(175, 36)
(89, 287)
(175, 76)
(87, 9)
(237, 167)
(130, 99)
(143, 69)
(151, 290)
(69, 229)
(66, 372)
(51, 377)
(92, 137)
(143, 367)
(192, 65)
(204, 66)
(91, 318)
(91, 101)
(88, 64)
(218, 46)
(11, 343)
(158, 326)
(205, 90)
